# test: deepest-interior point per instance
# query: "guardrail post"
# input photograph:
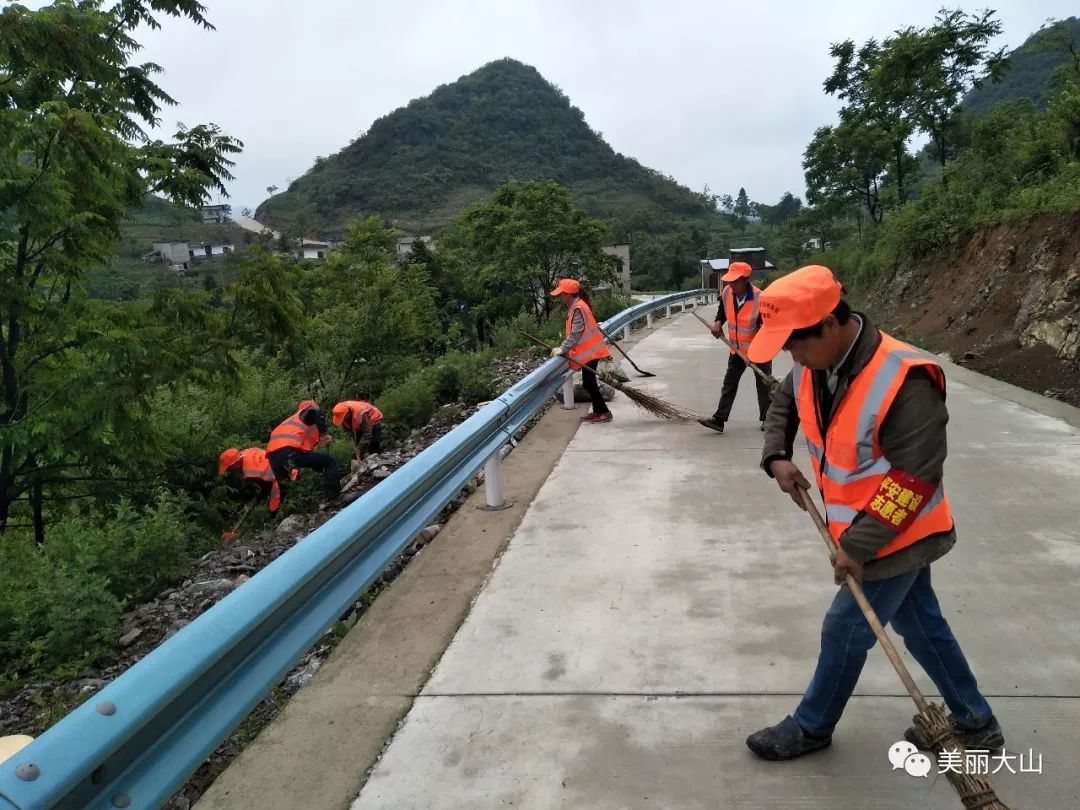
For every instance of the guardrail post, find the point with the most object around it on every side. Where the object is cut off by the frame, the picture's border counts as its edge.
(648, 320)
(626, 332)
(667, 313)
(568, 393)
(493, 483)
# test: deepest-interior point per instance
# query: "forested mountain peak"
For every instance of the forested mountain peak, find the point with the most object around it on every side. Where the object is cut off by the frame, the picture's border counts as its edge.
(421, 164)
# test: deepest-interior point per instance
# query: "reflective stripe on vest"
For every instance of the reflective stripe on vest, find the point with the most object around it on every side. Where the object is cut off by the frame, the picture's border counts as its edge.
(293, 433)
(848, 463)
(741, 325)
(591, 344)
(257, 467)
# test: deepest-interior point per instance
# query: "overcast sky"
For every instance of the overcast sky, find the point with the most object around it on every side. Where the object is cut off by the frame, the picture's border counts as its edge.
(721, 93)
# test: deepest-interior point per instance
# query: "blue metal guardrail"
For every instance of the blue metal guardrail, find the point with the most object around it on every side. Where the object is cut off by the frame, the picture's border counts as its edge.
(136, 741)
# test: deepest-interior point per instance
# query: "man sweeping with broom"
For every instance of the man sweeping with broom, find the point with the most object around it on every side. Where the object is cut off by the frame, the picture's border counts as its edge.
(738, 313)
(873, 412)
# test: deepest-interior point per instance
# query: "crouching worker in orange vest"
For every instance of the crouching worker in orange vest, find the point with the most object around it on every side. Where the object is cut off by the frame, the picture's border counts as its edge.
(293, 442)
(739, 315)
(872, 410)
(584, 344)
(255, 470)
(363, 421)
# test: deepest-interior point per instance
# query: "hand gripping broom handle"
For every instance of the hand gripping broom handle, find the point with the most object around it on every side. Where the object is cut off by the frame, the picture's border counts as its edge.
(541, 342)
(867, 611)
(770, 380)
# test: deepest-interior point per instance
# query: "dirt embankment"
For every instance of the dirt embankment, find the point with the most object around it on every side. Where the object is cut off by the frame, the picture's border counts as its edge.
(1006, 302)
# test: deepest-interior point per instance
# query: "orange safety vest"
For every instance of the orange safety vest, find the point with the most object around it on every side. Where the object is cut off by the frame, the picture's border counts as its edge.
(591, 345)
(256, 466)
(852, 472)
(294, 433)
(358, 409)
(741, 326)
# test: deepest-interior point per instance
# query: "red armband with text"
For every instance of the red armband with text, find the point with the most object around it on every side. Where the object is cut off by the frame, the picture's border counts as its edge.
(899, 499)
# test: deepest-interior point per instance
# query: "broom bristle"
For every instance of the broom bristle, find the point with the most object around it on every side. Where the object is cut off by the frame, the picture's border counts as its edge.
(647, 402)
(976, 792)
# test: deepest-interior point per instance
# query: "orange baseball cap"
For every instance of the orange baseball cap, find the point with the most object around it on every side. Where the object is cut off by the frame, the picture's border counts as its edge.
(567, 285)
(227, 459)
(737, 270)
(797, 300)
(341, 410)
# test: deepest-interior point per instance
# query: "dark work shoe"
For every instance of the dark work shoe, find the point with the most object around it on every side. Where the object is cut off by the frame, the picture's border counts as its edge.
(763, 425)
(713, 423)
(785, 740)
(987, 738)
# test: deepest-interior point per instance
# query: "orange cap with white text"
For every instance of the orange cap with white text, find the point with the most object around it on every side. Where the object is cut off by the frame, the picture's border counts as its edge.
(798, 300)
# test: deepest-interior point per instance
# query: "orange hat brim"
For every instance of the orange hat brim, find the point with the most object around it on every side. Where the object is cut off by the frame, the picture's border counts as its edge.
(562, 288)
(767, 343)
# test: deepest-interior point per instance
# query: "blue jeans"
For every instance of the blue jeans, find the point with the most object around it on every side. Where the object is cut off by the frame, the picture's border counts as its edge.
(909, 602)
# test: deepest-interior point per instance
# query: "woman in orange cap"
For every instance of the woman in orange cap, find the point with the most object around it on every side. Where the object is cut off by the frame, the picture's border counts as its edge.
(363, 421)
(584, 344)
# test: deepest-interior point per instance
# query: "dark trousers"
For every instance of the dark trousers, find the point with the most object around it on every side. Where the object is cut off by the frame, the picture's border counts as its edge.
(735, 368)
(592, 387)
(282, 460)
(909, 602)
(375, 445)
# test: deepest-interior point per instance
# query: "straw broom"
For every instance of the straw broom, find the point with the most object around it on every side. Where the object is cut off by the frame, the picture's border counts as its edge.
(647, 402)
(975, 791)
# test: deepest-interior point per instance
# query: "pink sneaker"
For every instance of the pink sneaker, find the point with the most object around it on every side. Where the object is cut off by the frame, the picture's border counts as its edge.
(601, 418)
(589, 417)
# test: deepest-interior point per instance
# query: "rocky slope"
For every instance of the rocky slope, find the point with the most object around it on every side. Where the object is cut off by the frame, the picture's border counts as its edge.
(1005, 302)
(37, 706)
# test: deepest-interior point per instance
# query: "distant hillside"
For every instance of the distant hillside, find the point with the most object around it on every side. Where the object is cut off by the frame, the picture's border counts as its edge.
(1029, 75)
(128, 276)
(422, 164)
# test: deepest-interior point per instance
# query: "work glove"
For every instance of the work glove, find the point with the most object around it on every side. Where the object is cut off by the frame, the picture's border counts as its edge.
(557, 352)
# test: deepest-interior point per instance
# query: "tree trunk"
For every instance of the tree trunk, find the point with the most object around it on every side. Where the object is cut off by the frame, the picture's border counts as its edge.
(899, 152)
(39, 523)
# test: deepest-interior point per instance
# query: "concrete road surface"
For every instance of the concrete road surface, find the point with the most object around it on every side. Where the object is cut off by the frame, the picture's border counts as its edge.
(662, 599)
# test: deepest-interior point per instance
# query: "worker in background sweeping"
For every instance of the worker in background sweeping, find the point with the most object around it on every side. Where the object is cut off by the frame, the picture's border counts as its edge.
(363, 421)
(584, 345)
(738, 312)
(292, 445)
(254, 469)
(873, 412)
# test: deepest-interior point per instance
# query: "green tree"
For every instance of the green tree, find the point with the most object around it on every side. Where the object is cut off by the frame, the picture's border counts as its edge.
(74, 156)
(372, 320)
(927, 71)
(743, 208)
(526, 237)
(872, 100)
(779, 214)
(846, 164)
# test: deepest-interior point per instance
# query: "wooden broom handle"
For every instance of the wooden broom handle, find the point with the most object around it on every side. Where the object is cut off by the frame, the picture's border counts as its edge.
(867, 610)
(541, 342)
(770, 380)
